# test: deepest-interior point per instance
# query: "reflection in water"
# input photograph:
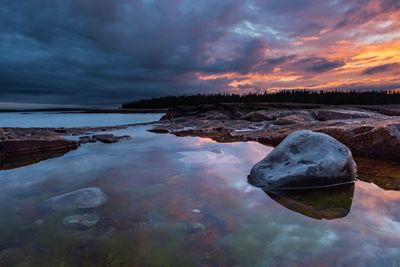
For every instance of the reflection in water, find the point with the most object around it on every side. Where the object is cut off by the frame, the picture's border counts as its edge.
(385, 174)
(19, 161)
(186, 202)
(58, 119)
(322, 203)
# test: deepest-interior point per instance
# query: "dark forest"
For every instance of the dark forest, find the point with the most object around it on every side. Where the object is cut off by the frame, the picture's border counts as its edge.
(288, 96)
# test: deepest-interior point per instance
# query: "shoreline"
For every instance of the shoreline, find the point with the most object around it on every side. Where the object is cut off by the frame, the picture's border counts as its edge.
(21, 146)
(372, 132)
(364, 129)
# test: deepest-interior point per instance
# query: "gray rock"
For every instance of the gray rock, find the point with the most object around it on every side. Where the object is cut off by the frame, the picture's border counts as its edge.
(258, 116)
(305, 159)
(86, 139)
(81, 221)
(341, 114)
(110, 138)
(90, 197)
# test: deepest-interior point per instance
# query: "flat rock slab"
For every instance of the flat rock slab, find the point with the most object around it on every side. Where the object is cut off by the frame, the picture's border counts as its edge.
(81, 221)
(90, 197)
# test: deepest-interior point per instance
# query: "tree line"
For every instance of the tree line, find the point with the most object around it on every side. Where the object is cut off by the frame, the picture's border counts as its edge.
(290, 96)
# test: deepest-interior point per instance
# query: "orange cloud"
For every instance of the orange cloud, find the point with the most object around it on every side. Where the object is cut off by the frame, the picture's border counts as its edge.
(357, 58)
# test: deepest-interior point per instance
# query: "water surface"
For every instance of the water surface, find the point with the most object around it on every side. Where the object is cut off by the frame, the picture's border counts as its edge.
(58, 119)
(185, 201)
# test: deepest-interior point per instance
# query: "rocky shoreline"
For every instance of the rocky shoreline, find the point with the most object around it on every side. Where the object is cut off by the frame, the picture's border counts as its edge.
(369, 131)
(24, 146)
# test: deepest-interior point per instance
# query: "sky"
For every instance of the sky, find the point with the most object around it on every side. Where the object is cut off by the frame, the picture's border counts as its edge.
(105, 52)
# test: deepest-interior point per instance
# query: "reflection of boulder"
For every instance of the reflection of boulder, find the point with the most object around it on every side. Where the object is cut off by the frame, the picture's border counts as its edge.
(305, 159)
(322, 203)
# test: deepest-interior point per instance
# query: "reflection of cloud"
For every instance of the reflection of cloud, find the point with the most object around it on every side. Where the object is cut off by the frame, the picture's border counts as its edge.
(231, 167)
(279, 236)
(207, 158)
(278, 242)
(390, 227)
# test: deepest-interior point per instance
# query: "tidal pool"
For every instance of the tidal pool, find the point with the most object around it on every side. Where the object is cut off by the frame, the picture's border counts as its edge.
(185, 201)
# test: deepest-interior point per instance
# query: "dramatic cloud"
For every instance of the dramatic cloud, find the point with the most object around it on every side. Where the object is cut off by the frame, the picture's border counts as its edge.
(381, 68)
(106, 52)
(317, 64)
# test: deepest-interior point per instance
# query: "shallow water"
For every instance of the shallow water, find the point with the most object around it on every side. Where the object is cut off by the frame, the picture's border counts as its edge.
(185, 201)
(57, 119)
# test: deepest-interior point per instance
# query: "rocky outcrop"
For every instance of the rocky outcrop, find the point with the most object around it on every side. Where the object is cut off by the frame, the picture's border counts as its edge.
(24, 146)
(341, 114)
(367, 131)
(305, 159)
(19, 146)
(85, 198)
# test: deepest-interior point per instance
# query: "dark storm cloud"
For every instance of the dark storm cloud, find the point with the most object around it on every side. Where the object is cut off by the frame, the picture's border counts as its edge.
(105, 52)
(381, 68)
(244, 58)
(317, 64)
(362, 11)
(93, 47)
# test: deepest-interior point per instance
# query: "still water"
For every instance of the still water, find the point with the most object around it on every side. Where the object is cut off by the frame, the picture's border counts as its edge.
(185, 201)
(58, 119)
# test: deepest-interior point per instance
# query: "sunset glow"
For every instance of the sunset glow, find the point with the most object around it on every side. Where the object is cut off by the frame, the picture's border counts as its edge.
(77, 52)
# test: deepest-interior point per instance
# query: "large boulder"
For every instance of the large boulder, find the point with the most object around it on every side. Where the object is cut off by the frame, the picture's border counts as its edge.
(90, 197)
(305, 159)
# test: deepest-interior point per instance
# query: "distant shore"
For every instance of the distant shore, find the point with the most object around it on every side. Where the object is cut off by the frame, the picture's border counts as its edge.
(97, 110)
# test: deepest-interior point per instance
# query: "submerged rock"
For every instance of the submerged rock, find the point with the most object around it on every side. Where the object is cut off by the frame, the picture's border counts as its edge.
(198, 226)
(90, 197)
(305, 159)
(81, 221)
